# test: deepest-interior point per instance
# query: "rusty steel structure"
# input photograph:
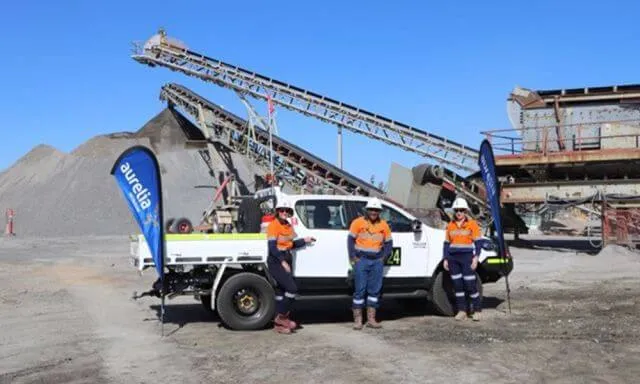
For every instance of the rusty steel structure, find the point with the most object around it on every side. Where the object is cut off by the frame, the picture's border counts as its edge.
(621, 225)
(575, 147)
(569, 144)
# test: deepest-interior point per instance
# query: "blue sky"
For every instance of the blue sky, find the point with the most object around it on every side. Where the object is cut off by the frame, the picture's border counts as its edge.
(67, 75)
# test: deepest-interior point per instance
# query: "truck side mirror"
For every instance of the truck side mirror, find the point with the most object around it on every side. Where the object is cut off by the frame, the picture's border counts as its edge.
(416, 225)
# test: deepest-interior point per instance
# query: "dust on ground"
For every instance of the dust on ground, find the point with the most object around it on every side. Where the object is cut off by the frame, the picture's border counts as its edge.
(67, 317)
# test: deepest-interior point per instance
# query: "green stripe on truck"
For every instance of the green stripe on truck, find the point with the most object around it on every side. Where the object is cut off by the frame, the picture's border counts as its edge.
(497, 261)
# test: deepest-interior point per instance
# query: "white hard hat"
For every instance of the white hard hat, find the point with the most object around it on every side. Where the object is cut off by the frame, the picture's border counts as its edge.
(374, 204)
(283, 204)
(460, 203)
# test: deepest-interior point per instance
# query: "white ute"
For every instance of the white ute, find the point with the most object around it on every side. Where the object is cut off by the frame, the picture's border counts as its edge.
(228, 272)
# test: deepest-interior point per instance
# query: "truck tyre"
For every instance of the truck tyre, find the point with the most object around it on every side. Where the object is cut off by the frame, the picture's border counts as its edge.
(443, 295)
(249, 216)
(246, 302)
(183, 225)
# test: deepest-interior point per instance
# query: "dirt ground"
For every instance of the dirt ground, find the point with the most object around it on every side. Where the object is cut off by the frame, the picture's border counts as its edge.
(66, 316)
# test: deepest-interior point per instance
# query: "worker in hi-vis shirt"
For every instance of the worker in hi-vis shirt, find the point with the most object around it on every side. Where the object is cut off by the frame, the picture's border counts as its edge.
(461, 251)
(369, 244)
(282, 239)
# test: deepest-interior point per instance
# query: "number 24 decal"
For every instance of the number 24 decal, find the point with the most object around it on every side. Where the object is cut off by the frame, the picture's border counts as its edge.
(396, 257)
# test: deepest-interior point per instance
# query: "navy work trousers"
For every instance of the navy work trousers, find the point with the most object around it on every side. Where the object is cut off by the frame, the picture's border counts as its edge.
(367, 274)
(286, 288)
(464, 280)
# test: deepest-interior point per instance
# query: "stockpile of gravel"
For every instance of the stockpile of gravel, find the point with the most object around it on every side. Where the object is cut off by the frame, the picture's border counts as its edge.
(59, 194)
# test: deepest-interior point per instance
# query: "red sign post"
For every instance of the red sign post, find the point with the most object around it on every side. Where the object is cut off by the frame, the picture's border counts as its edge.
(10, 213)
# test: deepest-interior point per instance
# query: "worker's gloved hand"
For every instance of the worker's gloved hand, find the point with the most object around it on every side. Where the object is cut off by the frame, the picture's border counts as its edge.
(350, 276)
(474, 263)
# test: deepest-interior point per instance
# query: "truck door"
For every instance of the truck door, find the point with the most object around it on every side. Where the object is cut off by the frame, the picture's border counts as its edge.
(326, 220)
(410, 250)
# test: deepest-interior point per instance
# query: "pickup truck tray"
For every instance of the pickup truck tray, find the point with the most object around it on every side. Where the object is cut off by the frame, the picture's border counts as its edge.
(202, 249)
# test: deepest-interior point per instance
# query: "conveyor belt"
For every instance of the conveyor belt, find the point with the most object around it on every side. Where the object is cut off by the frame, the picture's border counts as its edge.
(295, 163)
(166, 52)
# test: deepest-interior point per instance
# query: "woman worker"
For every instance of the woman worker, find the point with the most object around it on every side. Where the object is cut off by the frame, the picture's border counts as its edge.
(461, 251)
(282, 239)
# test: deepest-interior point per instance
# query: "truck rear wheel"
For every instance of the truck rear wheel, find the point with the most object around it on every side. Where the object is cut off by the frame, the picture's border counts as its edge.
(246, 302)
(443, 294)
(183, 225)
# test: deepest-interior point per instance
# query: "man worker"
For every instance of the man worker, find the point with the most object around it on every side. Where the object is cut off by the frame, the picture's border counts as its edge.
(369, 243)
(461, 251)
(282, 240)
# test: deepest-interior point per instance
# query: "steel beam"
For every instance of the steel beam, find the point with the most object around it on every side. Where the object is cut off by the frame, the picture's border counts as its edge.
(296, 165)
(602, 155)
(339, 148)
(570, 191)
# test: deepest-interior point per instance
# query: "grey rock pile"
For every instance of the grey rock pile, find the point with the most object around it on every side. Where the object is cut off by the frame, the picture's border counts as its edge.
(73, 194)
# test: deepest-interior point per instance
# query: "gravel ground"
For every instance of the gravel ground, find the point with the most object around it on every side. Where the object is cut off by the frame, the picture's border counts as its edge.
(67, 317)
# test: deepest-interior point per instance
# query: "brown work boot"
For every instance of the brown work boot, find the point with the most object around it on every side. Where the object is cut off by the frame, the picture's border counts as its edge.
(281, 329)
(357, 319)
(371, 318)
(290, 323)
(281, 324)
(461, 315)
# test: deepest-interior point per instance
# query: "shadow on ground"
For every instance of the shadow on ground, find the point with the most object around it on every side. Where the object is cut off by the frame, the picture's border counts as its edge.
(314, 311)
(561, 245)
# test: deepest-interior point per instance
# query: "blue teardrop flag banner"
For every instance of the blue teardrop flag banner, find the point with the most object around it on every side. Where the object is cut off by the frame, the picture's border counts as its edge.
(138, 176)
(487, 165)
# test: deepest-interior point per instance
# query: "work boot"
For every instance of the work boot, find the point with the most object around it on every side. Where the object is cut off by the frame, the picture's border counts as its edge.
(357, 319)
(290, 323)
(281, 320)
(281, 329)
(461, 315)
(475, 316)
(371, 318)
(281, 324)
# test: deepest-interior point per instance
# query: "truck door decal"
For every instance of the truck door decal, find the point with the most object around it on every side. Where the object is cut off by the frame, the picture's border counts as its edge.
(395, 260)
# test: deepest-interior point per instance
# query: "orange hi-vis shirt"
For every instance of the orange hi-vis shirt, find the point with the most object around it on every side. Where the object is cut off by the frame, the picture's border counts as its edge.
(461, 237)
(283, 234)
(369, 237)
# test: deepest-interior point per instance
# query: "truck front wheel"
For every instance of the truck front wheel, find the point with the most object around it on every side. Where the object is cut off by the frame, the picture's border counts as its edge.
(443, 294)
(246, 302)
